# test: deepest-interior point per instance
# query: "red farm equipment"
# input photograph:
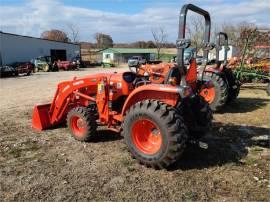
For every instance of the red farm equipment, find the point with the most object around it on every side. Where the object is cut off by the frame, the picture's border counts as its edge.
(226, 86)
(156, 120)
(67, 65)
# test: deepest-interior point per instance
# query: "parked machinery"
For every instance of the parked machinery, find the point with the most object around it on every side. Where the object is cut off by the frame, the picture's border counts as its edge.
(25, 68)
(218, 84)
(252, 73)
(44, 63)
(226, 86)
(67, 65)
(156, 120)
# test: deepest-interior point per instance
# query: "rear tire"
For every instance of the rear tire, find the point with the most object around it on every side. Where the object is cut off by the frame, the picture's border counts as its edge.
(155, 133)
(198, 116)
(81, 124)
(220, 95)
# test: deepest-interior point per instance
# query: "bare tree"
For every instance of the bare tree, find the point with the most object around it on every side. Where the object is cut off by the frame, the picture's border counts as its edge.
(103, 40)
(73, 32)
(239, 33)
(195, 31)
(160, 37)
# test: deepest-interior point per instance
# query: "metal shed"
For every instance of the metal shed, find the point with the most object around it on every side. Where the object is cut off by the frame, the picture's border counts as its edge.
(18, 48)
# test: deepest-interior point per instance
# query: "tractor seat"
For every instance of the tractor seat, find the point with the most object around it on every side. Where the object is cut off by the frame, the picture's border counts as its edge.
(173, 72)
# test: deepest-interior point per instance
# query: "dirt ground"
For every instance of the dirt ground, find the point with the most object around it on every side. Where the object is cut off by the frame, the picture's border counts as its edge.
(52, 166)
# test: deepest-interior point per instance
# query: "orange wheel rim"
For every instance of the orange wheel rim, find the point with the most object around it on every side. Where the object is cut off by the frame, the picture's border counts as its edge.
(78, 126)
(208, 94)
(146, 136)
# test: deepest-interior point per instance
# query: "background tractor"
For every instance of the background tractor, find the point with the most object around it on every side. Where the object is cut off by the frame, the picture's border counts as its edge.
(44, 63)
(217, 83)
(226, 86)
(156, 120)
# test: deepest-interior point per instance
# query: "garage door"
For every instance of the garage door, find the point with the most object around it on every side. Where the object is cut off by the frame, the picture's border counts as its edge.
(58, 54)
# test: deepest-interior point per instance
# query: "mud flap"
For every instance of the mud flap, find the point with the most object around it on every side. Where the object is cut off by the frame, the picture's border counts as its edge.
(41, 118)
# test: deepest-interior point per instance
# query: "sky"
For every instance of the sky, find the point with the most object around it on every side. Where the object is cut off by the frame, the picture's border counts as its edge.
(124, 20)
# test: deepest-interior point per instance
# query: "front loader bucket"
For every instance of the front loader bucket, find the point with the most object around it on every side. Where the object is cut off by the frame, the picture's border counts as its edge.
(41, 118)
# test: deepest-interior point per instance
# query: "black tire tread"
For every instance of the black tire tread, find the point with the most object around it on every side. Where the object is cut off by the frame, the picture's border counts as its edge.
(177, 132)
(232, 81)
(85, 114)
(222, 90)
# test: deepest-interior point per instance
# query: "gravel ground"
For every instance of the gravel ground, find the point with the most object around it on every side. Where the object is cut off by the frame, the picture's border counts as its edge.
(52, 166)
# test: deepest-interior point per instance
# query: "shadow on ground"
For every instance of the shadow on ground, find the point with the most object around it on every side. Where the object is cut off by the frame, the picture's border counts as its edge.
(104, 135)
(243, 105)
(228, 145)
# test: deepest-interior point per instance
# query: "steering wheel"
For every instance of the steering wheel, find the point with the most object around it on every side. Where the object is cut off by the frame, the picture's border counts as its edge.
(141, 78)
(141, 71)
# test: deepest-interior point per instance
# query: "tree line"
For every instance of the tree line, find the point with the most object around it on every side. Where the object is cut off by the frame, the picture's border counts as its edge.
(237, 33)
(105, 40)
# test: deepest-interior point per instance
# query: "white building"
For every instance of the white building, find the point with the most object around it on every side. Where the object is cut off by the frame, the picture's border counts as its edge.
(17, 48)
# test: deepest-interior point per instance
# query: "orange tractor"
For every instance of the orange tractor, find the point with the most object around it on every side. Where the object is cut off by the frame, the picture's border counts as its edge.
(218, 82)
(156, 120)
(226, 86)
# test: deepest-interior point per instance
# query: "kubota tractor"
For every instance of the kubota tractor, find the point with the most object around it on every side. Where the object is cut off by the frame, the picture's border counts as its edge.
(225, 85)
(218, 82)
(156, 120)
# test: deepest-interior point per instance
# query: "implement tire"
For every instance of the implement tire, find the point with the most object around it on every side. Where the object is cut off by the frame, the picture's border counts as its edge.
(233, 83)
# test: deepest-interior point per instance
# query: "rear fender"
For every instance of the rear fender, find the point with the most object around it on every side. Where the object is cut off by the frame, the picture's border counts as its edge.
(165, 93)
(191, 76)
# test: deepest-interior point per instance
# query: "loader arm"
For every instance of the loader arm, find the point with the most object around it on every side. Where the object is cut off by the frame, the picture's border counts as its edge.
(68, 94)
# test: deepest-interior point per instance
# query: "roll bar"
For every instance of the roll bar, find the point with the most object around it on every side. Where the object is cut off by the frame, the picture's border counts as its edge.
(183, 43)
(219, 47)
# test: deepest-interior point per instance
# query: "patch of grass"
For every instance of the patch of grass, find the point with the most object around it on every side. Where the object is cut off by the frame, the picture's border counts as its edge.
(126, 162)
(18, 151)
(190, 195)
(250, 160)
(256, 149)
(124, 148)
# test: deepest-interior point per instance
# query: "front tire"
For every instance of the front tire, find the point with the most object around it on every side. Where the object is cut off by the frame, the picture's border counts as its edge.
(81, 124)
(155, 133)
